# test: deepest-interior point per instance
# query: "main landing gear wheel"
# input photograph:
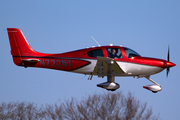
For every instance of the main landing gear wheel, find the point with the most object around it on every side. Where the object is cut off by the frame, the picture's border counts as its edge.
(111, 89)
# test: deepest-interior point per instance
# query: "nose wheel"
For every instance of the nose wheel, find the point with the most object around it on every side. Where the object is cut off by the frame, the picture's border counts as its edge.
(154, 91)
(154, 88)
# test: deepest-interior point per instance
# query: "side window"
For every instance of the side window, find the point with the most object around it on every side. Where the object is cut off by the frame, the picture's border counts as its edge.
(130, 53)
(95, 53)
(114, 53)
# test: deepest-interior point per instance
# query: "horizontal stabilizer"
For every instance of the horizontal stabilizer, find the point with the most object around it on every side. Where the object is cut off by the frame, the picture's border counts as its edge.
(28, 62)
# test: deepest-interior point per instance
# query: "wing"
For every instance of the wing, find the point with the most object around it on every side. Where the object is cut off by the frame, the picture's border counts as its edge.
(106, 66)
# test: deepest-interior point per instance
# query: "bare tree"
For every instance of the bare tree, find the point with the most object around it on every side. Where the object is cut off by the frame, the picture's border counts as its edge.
(106, 106)
(19, 111)
(53, 112)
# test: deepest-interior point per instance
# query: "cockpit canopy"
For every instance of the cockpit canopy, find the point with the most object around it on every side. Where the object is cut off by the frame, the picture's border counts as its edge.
(112, 52)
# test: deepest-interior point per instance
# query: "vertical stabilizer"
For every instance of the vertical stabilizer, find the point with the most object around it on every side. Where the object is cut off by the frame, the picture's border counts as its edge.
(19, 45)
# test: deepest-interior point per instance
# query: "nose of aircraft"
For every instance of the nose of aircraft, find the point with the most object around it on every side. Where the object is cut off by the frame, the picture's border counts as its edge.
(170, 64)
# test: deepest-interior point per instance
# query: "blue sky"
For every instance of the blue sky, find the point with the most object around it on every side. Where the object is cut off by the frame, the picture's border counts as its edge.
(146, 26)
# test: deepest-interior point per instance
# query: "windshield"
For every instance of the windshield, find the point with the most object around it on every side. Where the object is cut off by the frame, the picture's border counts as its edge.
(130, 53)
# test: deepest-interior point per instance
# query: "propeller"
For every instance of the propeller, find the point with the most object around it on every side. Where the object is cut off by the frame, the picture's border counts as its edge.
(168, 68)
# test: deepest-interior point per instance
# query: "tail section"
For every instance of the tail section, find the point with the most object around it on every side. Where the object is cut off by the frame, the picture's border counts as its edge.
(19, 45)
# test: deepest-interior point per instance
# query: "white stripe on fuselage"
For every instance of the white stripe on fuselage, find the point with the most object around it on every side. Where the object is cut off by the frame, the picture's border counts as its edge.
(130, 69)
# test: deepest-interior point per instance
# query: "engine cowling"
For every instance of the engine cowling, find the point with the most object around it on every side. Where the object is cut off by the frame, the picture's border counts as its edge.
(153, 88)
(109, 86)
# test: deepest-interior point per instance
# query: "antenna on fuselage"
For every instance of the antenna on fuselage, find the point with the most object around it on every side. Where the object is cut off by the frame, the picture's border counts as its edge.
(95, 41)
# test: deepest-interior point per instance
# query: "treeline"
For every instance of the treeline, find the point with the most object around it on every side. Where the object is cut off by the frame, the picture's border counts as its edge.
(106, 106)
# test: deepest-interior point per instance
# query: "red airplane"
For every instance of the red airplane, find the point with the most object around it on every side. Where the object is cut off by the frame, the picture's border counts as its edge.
(102, 61)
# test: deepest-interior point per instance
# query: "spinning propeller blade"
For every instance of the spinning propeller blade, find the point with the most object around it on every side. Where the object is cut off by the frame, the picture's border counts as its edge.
(168, 68)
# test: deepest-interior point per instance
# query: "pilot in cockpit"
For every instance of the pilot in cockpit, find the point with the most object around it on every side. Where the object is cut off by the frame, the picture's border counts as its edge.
(113, 53)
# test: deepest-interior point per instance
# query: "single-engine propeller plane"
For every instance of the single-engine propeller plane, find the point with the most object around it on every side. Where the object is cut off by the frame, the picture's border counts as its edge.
(110, 61)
